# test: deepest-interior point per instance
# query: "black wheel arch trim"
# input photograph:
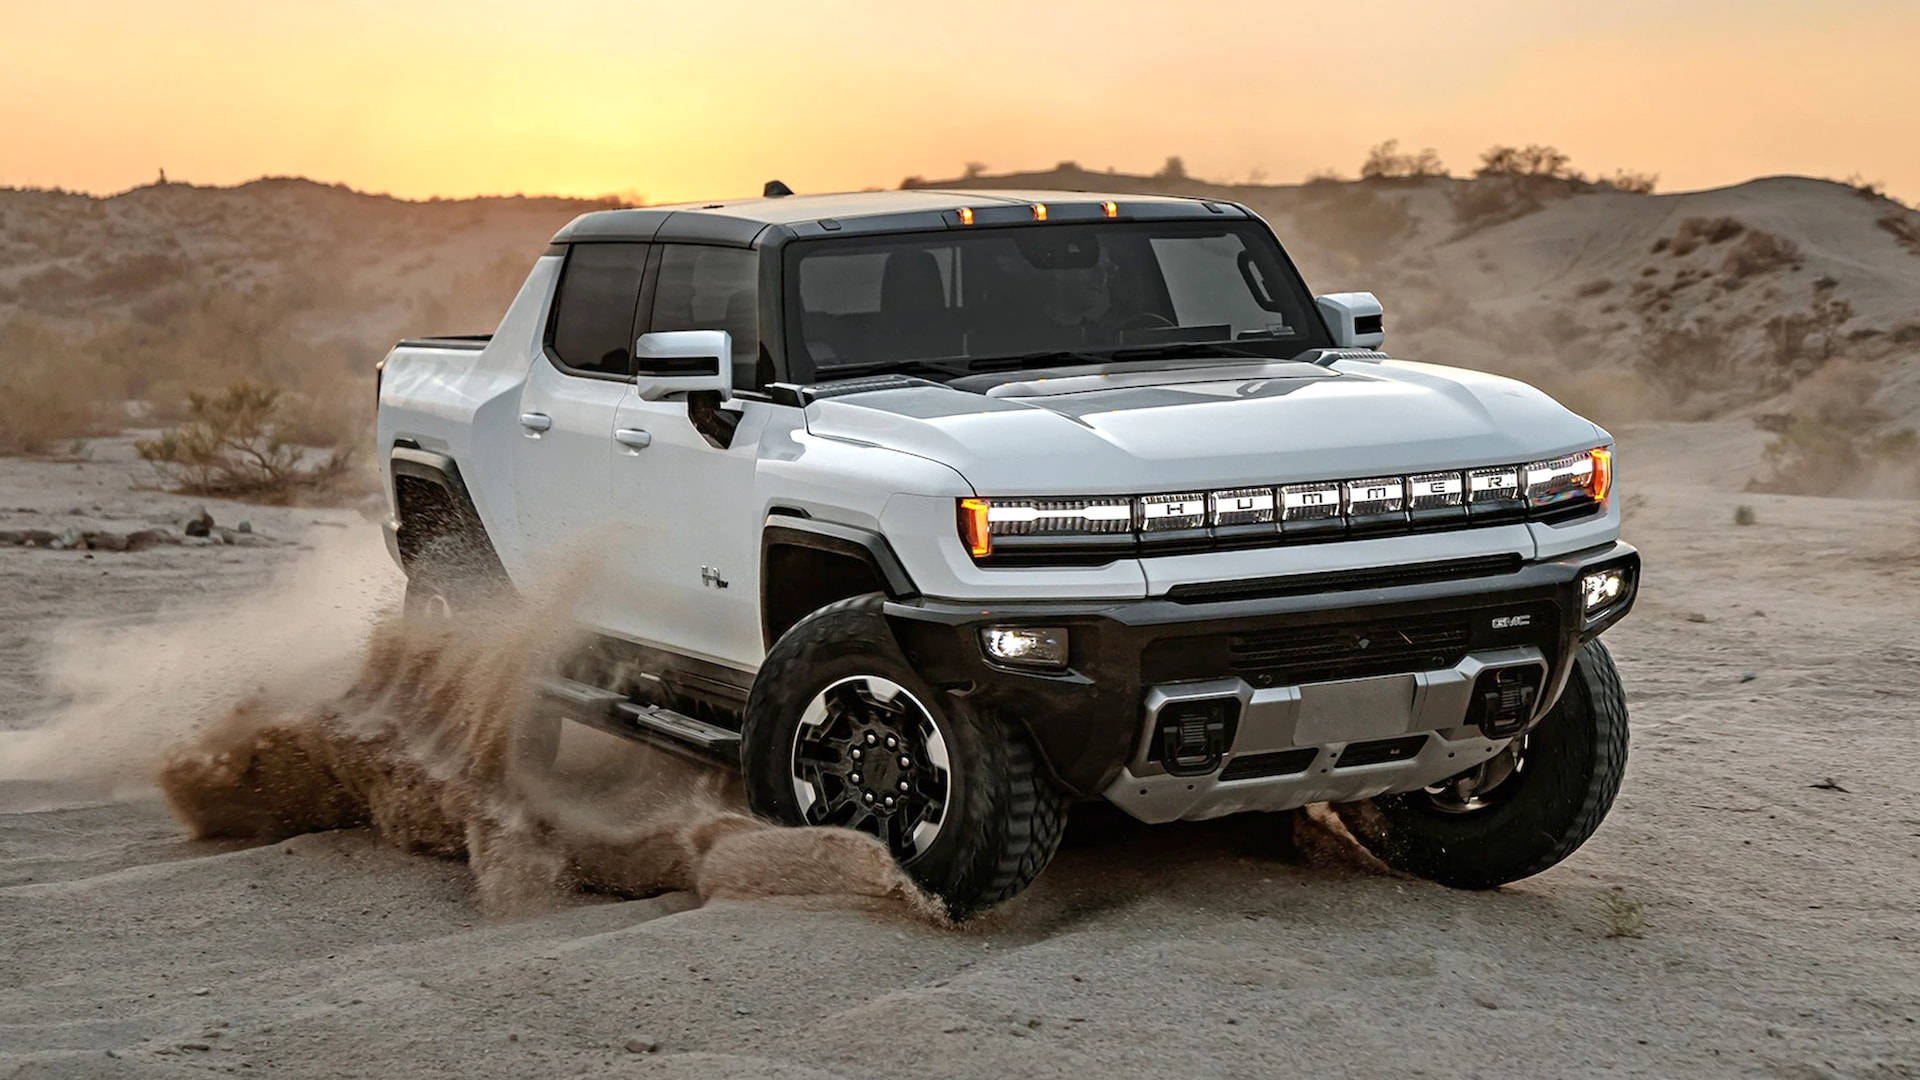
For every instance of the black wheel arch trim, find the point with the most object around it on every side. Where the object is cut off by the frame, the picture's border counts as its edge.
(794, 530)
(441, 471)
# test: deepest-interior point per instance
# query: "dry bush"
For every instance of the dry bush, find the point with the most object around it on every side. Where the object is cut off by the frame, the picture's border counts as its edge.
(50, 390)
(1631, 183)
(1695, 232)
(1865, 188)
(1593, 288)
(1386, 162)
(235, 447)
(1534, 161)
(1834, 442)
(1759, 253)
(1905, 228)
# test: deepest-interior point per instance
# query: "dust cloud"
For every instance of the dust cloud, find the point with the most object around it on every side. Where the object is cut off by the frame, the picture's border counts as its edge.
(432, 743)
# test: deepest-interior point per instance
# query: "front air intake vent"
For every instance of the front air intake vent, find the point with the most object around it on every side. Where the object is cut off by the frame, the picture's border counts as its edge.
(1349, 650)
(1383, 577)
(1279, 763)
(1380, 750)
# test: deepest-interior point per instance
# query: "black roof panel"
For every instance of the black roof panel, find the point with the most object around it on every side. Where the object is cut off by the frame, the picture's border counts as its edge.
(736, 223)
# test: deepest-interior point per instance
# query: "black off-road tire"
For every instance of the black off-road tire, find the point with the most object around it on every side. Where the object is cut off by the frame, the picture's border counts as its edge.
(1005, 817)
(1575, 758)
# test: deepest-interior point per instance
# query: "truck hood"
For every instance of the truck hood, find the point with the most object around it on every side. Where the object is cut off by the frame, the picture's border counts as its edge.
(1203, 427)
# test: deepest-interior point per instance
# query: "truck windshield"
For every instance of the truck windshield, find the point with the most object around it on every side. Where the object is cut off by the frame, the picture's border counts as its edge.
(949, 303)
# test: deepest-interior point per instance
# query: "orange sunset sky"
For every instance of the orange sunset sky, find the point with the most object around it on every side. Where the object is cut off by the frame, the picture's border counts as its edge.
(688, 100)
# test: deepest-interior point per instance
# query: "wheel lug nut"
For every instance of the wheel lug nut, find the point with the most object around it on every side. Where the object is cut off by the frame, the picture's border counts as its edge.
(904, 786)
(856, 753)
(892, 742)
(889, 800)
(906, 762)
(871, 739)
(869, 796)
(853, 777)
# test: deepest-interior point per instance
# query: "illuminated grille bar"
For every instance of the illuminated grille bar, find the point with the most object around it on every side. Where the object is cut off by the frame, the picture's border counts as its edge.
(1364, 506)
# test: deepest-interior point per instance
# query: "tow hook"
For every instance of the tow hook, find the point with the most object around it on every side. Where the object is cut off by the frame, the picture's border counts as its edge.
(1194, 735)
(1504, 699)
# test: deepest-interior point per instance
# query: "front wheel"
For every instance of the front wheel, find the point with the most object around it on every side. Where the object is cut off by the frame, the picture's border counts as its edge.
(840, 730)
(1523, 811)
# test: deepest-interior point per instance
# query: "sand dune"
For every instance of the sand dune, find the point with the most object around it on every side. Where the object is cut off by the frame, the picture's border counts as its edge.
(1571, 293)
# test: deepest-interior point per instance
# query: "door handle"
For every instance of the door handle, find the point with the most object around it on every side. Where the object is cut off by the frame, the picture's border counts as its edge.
(536, 421)
(633, 437)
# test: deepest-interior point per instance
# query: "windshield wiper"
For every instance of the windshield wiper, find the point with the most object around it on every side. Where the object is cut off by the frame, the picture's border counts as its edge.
(1190, 350)
(950, 369)
(953, 367)
(1043, 358)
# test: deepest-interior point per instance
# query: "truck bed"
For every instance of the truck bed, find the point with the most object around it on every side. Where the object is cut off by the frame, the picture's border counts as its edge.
(468, 342)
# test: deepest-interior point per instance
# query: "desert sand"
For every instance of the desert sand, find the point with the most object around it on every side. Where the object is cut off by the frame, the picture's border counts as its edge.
(1748, 909)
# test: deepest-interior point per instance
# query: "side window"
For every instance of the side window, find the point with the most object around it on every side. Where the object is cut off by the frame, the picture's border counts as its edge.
(712, 288)
(593, 316)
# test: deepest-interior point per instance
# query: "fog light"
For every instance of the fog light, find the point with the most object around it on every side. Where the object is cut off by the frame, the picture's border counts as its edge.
(1603, 588)
(1026, 646)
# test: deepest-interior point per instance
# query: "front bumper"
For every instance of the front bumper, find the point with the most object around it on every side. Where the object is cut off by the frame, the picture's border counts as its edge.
(1319, 668)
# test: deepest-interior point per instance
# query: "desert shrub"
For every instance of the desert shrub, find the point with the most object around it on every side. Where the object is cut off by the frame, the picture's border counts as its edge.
(51, 389)
(235, 446)
(1905, 228)
(1833, 441)
(1744, 515)
(1386, 162)
(1535, 161)
(1632, 183)
(1865, 188)
(1593, 288)
(1694, 232)
(1173, 169)
(1759, 253)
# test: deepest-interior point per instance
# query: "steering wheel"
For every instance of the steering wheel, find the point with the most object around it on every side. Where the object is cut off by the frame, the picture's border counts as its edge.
(1146, 320)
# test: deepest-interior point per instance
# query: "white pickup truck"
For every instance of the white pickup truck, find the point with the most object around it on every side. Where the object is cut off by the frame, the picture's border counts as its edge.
(936, 511)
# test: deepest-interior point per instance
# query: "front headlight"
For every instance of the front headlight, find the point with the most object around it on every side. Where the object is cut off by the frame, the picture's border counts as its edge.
(1585, 475)
(982, 521)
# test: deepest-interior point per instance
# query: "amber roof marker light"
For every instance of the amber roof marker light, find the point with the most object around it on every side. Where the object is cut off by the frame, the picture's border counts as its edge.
(1110, 208)
(966, 215)
(1039, 211)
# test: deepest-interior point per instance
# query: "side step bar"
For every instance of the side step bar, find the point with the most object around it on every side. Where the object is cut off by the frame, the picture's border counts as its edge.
(613, 713)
